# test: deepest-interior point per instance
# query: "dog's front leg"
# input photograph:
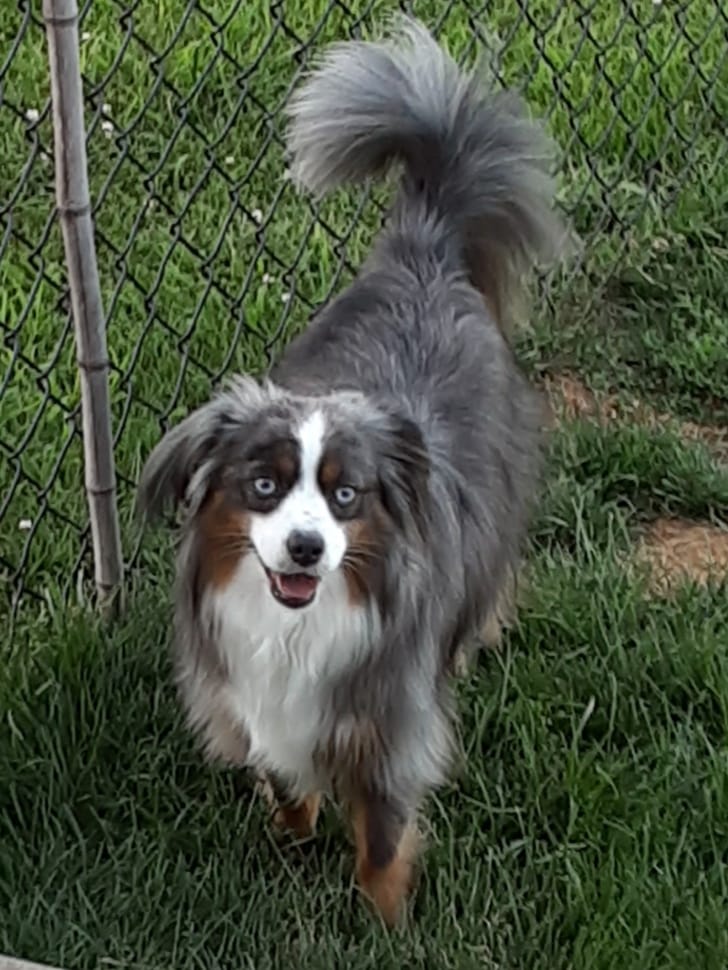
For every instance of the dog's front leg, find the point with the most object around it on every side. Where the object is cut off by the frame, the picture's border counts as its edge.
(386, 844)
(300, 817)
(295, 815)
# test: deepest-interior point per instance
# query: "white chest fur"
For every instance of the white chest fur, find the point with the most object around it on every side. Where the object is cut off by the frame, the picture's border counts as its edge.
(282, 663)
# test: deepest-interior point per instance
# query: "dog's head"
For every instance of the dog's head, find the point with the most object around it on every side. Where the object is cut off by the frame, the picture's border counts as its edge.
(303, 486)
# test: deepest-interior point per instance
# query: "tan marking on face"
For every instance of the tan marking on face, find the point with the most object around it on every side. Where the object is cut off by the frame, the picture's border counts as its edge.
(285, 464)
(329, 473)
(222, 531)
(364, 546)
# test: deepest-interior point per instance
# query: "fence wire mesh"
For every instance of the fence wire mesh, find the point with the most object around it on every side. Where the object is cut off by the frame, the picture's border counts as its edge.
(209, 260)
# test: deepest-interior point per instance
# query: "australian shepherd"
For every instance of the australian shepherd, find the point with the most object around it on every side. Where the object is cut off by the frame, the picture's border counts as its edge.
(349, 523)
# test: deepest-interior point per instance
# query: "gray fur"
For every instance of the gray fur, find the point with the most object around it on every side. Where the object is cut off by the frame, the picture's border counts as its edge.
(412, 334)
(484, 164)
(411, 364)
(188, 449)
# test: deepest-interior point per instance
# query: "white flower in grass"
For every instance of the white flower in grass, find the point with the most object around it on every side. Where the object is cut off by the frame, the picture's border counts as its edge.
(85, 36)
(257, 215)
(267, 278)
(285, 297)
(25, 525)
(32, 115)
(229, 159)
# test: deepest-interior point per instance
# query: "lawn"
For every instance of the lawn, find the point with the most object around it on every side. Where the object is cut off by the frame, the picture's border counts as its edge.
(587, 826)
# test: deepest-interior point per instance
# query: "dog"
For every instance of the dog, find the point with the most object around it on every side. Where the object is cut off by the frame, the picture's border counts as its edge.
(350, 522)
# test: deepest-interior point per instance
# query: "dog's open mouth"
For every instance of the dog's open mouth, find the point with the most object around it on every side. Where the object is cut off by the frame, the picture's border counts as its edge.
(293, 590)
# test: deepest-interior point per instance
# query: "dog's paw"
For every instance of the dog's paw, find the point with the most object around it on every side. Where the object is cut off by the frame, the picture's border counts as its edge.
(299, 819)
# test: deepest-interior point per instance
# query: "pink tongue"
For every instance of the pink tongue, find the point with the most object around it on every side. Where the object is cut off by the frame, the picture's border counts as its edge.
(297, 586)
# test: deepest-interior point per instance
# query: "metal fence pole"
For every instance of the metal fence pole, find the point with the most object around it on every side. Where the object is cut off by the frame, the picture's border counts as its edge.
(74, 209)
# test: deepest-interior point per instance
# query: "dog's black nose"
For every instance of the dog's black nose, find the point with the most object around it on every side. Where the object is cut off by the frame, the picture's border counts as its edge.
(305, 548)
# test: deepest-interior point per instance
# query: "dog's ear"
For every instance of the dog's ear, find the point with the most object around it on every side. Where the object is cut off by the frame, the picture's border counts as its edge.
(180, 453)
(184, 454)
(404, 470)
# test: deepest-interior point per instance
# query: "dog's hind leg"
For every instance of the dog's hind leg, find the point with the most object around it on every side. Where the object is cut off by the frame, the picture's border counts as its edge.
(501, 617)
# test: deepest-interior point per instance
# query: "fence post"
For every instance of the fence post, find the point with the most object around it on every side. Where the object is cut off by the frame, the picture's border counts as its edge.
(74, 209)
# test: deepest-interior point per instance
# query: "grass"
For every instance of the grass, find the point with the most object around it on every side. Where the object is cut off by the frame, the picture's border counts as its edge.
(587, 826)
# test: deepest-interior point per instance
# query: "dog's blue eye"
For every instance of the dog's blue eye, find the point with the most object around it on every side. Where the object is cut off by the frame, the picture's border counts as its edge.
(264, 487)
(344, 495)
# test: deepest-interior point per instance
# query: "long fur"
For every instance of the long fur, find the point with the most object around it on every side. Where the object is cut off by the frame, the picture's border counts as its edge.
(472, 214)
(472, 160)
(409, 367)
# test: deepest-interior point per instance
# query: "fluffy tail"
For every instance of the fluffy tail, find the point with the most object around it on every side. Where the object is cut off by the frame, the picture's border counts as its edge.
(470, 156)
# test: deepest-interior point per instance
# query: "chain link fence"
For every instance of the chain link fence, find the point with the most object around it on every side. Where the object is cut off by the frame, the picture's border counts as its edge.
(209, 260)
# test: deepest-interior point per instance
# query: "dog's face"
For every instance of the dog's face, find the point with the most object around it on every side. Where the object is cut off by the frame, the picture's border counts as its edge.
(299, 504)
(310, 495)
(305, 487)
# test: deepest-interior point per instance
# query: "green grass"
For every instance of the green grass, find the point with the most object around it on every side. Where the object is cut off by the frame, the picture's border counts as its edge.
(587, 826)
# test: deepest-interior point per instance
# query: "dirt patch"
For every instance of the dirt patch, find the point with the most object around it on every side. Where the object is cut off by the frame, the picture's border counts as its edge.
(570, 399)
(677, 552)
(716, 439)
